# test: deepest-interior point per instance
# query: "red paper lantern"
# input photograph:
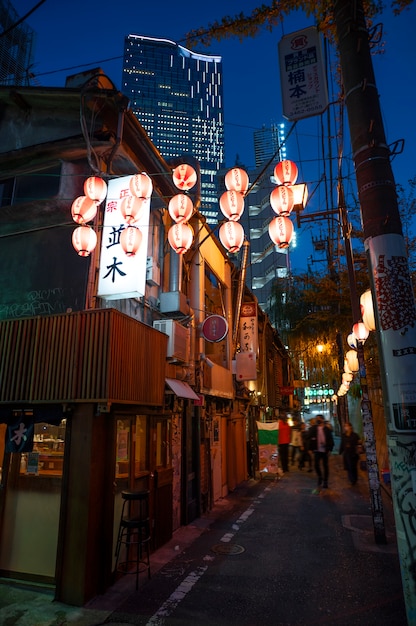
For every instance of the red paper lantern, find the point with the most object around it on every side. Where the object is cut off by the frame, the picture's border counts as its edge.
(132, 207)
(180, 237)
(180, 208)
(232, 205)
(84, 240)
(236, 180)
(83, 210)
(360, 332)
(286, 172)
(282, 200)
(367, 310)
(141, 185)
(95, 188)
(281, 231)
(184, 177)
(231, 235)
(130, 240)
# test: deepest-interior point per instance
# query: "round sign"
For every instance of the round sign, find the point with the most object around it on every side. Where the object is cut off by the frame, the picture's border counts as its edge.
(214, 328)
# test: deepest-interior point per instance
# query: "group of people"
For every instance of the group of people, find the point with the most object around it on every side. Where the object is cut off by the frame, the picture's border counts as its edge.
(314, 445)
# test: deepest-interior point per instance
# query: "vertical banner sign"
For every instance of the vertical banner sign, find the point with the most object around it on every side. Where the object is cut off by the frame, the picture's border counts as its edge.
(121, 276)
(302, 74)
(248, 327)
(268, 438)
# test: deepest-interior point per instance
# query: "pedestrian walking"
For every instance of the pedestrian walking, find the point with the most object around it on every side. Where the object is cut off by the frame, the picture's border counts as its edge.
(284, 442)
(305, 455)
(349, 450)
(321, 443)
(295, 442)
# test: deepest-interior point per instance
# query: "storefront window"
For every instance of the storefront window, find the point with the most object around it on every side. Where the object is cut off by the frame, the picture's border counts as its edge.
(47, 456)
(140, 459)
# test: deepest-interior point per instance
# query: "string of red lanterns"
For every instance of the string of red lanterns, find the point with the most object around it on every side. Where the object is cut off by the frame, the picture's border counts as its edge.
(181, 209)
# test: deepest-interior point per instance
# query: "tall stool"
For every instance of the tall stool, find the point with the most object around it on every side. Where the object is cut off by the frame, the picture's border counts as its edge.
(134, 534)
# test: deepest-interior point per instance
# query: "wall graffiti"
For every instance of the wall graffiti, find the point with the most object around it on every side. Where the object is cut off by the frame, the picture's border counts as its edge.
(38, 302)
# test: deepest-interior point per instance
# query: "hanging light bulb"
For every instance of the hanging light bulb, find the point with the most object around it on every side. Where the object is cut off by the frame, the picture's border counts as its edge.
(84, 240)
(360, 332)
(130, 240)
(95, 188)
(367, 310)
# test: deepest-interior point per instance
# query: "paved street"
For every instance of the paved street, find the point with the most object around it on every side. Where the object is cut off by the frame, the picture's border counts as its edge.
(273, 552)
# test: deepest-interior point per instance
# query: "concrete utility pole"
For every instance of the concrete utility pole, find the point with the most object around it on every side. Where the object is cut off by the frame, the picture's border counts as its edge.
(391, 286)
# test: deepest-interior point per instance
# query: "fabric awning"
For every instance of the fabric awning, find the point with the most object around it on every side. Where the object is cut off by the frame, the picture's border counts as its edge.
(181, 389)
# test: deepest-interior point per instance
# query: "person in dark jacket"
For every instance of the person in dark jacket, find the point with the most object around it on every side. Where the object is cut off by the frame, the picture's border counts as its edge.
(305, 455)
(321, 443)
(348, 448)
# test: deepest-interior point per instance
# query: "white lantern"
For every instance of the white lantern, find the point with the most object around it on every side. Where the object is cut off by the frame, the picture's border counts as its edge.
(231, 235)
(180, 237)
(352, 341)
(184, 177)
(352, 359)
(132, 207)
(236, 180)
(281, 231)
(95, 188)
(347, 368)
(141, 185)
(286, 172)
(360, 332)
(180, 208)
(367, 310)
(83, 210)
(130, 240)
(347, 378)
(281, 200)
(232, 205)
(84, 240)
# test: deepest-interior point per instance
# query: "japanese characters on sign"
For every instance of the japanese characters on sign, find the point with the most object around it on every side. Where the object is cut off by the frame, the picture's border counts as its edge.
(121, 276)
(302, 75)
(248, 327)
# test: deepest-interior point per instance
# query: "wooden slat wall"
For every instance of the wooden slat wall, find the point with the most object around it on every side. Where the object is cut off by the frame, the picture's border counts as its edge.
(99, 356)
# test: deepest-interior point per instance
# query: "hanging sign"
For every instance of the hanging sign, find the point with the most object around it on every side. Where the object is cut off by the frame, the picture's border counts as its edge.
(248, 327)
(302, 74)
(214, 328)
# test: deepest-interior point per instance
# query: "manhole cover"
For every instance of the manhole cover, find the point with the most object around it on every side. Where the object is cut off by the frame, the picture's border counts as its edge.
(227, 548)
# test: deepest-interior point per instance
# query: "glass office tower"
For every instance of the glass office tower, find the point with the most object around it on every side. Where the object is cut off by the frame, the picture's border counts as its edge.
(177, 96)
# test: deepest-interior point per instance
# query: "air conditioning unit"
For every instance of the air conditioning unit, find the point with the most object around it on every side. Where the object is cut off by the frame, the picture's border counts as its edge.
(179, 339)
(152, 271)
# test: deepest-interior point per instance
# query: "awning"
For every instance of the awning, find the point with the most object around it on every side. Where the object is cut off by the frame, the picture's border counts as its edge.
(182, 390)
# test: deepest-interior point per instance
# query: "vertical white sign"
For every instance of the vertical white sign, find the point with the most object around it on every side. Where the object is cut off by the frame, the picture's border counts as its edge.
(248, 327)
(302, 74)
(121, 276)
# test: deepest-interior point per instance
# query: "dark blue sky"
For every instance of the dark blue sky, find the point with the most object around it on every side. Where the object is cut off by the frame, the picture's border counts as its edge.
(87, 33)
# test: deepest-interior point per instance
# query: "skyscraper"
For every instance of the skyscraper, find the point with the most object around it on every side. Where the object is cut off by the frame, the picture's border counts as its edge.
(16, 47)
(177, 96)
(268, 143)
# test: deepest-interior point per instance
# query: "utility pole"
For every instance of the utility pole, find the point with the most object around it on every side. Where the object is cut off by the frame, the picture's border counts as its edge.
(391, 287)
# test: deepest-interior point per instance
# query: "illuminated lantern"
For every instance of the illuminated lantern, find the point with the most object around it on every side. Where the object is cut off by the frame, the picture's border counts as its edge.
(132, 207)
(236, 180)
(95, 188)
(352, 359)
(282, 200)
(360, 332)
(180, 208)
(231, 235)
(347, 368)
(352, 341)
(180, 237)
(367, 310)
(232, 205)
(141, 185)
(83, 210)
(184, 177)
(130, 240)
(286, 172)
(84, 240)
(281, 231)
